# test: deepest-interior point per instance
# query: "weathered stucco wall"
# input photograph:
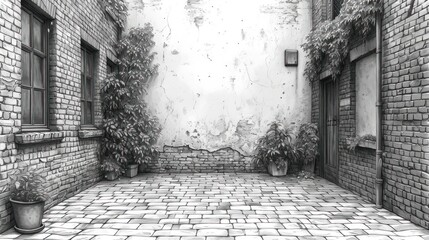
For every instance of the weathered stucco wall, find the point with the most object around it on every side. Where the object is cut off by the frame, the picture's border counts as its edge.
(222, 77)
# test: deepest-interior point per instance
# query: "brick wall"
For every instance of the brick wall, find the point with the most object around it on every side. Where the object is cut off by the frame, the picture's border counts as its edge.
(185, 159)
(405, 95)
(67, 158)
(356, 168)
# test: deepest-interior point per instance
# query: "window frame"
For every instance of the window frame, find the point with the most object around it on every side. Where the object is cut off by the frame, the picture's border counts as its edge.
(44, 54)
(113, 66)
(334, 14)
(354, 81)
(83, 101)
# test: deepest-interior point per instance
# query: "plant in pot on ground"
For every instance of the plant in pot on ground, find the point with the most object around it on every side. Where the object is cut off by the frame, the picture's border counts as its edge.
(28, 196)
(307, 146)
(275, 150)
(130, 131)
(112, 170)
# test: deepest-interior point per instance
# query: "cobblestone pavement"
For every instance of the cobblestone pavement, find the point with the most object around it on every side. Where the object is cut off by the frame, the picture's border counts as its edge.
(220, 206)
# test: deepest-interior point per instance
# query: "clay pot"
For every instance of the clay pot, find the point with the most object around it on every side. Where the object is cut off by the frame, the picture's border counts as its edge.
(28, 216)
(111, 175)
(276, 172)
(131, 170)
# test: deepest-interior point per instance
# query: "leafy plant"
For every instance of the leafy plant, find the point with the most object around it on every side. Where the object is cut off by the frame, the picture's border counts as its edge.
(358, 139)
(275, 146)
(130, 131)
(330, 42)
(28, 187)
(109, 165)
(307, 144)
(118, 8)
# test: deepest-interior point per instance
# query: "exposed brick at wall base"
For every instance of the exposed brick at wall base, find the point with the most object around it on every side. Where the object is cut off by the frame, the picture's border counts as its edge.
(185, 159)
(71, 162)
(357, 171)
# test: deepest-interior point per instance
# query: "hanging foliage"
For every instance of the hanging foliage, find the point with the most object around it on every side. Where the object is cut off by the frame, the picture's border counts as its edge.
(130, 131)
(117, 8)
(330, 43)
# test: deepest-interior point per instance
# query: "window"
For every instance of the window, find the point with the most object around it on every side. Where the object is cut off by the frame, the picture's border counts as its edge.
(111, 67)
(87, 86)
(336, 7)
(34, 67)
(366, 95)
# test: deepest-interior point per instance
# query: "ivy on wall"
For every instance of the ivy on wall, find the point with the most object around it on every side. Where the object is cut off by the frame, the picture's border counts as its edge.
(130, 130)
(329, 43)
(117, 8)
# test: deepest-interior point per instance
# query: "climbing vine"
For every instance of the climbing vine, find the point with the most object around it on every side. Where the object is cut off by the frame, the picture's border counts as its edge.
(130, 130)
(330, 42)
(118, 8)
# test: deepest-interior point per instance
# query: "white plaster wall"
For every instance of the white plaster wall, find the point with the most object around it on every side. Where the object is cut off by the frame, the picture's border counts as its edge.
(366, 95)
(222, 78)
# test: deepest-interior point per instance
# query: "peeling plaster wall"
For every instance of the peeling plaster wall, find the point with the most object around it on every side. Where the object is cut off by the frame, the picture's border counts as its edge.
(222, 78)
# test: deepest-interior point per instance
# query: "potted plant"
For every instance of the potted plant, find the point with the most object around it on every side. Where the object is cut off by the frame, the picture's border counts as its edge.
(28, 196)
(131, 170)
(275, 150)
(307, 146)
(111, 169)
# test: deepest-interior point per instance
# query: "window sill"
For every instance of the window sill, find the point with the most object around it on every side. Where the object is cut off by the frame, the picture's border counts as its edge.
(364, 143)
(90, 133)
(38, 137)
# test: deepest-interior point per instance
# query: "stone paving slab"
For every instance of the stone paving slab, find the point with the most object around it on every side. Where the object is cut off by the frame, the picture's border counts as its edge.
(220, 207)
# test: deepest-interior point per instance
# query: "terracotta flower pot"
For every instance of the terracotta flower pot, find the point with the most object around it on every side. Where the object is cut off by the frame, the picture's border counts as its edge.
(131, 170)
(28, 216)
(112, 175)
(276, 172)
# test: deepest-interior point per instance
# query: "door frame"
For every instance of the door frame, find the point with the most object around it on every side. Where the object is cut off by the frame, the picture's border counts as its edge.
(322, 123)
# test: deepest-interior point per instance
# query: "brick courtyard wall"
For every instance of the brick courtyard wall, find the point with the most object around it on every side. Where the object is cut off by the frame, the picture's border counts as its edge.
(67, 156)
(185, 159)
(356, 168)
(405, 95)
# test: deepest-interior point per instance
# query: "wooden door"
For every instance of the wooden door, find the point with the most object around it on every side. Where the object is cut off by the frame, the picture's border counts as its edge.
(330, 130)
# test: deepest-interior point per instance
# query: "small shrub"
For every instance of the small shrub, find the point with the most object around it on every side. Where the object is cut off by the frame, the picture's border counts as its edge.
(275, 146)
(28, 187)
(307, 144)
(109, 165)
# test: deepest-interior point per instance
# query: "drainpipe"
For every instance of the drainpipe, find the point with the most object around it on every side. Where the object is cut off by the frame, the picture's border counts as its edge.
(379, 137)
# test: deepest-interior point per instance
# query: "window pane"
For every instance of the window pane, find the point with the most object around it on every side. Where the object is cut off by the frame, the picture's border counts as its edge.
(109, 68)
(82, 112)
(88, 89)
(25, 106)
(88, 113)
(25, 66)
(89, 64)
(37, 34)
(25, 26)
(82, 61)
(82, 86)
(38, 80)
(39, 107)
